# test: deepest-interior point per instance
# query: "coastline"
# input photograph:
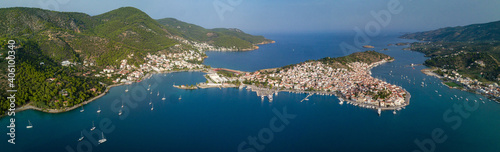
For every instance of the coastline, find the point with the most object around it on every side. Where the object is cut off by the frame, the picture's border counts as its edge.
(263, 92)
(430, 72)
(66, 109)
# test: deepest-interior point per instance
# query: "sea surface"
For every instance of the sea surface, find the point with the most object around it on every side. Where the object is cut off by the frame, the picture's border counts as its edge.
(222, 119)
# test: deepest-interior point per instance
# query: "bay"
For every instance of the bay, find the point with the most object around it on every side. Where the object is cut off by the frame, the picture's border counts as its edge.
(221, 119)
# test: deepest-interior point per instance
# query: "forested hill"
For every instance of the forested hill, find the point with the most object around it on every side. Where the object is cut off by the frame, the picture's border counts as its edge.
(222, 37)
(367, 57)
(473, 50)
(475, 32)
(44, 39)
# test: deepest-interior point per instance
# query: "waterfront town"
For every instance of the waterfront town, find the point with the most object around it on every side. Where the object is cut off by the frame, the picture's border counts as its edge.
(355, 85)
(491, 91)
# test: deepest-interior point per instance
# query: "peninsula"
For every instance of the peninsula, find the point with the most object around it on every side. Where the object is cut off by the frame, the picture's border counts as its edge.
(349, 78)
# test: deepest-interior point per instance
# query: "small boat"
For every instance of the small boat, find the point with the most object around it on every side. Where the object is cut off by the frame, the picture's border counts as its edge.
(81, 138)
(126, 90)
(151, 92)
(163, 97)
(149, 87)
(262, 98)
(379, 111)
(99, 110)
(394, 112)
(30, 125)
(466, 99)
(122, 104)
(150, 102)
(440, 95)
(82, 109)
(93, 127)
(103, 139)
(180, 97)
(152, 107)
(158, 94)
(120, 112)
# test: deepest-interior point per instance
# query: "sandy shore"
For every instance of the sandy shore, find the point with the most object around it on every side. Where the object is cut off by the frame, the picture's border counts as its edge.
(430, 72)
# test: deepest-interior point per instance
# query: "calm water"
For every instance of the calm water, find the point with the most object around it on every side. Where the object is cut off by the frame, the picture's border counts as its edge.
(220, 119)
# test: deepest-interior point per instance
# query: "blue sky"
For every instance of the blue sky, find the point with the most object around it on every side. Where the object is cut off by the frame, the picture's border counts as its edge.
(264, 16)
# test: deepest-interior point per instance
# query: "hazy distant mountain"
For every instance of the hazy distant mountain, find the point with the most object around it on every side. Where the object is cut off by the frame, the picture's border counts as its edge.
(222, 37)
(475, 32)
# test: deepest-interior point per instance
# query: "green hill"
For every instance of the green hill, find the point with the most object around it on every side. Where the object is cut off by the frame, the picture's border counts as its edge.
(475, 32)
(368, 57)
(462, 48)
(220, 37)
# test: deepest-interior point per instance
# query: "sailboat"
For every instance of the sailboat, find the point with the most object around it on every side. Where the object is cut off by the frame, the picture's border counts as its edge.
(152, 107)
(103, 139)
(99, 110)
(163, 97)
(158, 94)
(30, 125)
(126, 90)
(150, 102)
(93, 127)
(82, 109)
(180, 97)
(81, 138)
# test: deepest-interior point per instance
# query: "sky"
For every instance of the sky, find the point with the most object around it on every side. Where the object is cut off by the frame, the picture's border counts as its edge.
(275, 16)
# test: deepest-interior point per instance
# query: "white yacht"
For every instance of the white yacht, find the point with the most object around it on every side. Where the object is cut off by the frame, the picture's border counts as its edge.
(99, 109)
(30, 125)
(126, 90)
(163, 97)
(180, 97)
(103, 139)
(379, 111)
(93, 126)
(120, 112)
(81, 138)
(152, 107)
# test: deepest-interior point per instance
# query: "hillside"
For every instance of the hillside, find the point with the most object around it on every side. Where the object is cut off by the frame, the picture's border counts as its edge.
(475, 32)
(44, 39)
(462, 49)
(220, 37)
(368, 57)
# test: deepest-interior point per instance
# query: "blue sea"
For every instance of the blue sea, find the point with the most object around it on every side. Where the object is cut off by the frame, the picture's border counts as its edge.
(232, 119)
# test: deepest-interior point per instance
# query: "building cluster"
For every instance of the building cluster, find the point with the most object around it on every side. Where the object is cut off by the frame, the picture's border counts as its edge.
(492, 90)
(355, 84)
(154, 63)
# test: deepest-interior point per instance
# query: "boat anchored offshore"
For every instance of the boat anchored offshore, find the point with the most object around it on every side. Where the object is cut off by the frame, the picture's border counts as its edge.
(30, 125)
(99, 109)
(163, 97)
(93, 127)
(102, 140)
(81, 138)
